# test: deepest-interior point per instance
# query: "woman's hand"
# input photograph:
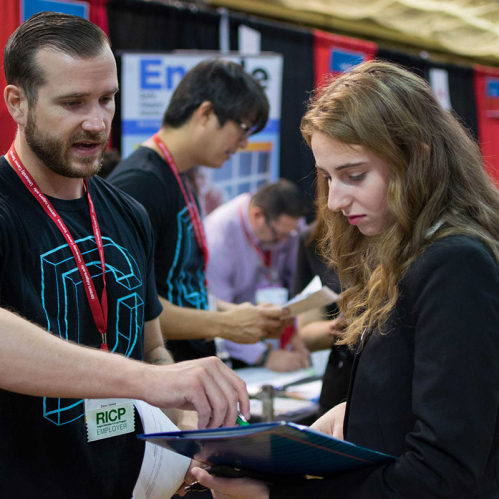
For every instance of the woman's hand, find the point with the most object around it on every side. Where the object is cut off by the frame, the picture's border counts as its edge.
(332, 422)
(232, 488)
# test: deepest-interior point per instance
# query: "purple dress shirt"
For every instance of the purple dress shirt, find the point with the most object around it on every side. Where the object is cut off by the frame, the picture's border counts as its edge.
(235, 269)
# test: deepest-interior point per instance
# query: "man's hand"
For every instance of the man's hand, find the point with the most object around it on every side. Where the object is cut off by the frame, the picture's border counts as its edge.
(249, 324)
(285, 361)
(335, 328)
(274, 320)
(206, 385)
(297, 345)
(332, 422)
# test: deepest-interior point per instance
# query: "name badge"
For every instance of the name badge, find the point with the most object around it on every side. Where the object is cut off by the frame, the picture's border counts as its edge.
(272, 294)
(107, 418)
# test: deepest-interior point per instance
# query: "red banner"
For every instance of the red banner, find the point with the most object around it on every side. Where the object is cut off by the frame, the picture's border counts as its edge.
(486, 82)
(8, 23)
(334, 54)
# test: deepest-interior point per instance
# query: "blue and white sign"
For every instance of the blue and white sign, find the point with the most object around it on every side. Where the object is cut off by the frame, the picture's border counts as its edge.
(492, 87)
(341, 60)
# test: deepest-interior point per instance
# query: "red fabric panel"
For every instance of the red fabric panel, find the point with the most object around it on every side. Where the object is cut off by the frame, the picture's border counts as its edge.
(326, 43)
(286, 336)
(10, 19)
(98, 14)
(488, 126)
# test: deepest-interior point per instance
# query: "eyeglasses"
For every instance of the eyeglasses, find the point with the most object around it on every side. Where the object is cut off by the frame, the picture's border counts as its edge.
(275, 234)
(246, 129)
(276, 237)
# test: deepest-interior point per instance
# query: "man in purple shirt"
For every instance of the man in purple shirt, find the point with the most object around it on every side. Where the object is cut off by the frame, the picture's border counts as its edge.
(252, 242)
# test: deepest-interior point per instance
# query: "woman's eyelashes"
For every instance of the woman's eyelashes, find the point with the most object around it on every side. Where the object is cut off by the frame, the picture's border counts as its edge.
(356, 178)
(348, 176)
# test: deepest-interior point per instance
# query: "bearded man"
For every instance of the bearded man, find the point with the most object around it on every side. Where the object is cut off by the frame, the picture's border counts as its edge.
(76, 257)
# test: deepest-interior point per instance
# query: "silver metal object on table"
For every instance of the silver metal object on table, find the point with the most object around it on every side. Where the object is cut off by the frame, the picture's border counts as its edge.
(266, 395)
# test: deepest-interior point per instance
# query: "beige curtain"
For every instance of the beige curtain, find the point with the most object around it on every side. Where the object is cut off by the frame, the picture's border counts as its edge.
(465, 27)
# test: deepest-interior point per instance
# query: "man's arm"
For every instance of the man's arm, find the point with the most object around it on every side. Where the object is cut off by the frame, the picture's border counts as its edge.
(242, 323)
(34, 362)
(155, 353)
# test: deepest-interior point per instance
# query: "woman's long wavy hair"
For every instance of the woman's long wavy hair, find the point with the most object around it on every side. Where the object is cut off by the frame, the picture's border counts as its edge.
(436, 175)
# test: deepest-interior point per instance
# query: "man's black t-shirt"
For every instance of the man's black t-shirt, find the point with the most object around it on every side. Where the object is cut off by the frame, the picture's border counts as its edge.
(180, 276)
(44, 451)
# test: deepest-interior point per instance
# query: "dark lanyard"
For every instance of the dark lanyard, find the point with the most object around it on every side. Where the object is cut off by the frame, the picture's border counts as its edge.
(190, 202)
(265, 257)
(98, 308)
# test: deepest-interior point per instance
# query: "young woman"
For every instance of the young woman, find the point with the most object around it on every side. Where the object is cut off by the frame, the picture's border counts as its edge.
(413, 229)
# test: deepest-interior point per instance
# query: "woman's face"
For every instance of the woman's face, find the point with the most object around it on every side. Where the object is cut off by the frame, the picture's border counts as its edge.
(358, 183)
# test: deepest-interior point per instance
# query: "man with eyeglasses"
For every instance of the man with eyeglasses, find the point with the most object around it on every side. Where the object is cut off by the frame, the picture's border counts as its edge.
(213, 111)
(253, 243)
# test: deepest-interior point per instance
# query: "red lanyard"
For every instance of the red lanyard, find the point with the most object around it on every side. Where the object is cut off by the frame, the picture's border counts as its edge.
(265, 257)
(99, 309)
(190, 202)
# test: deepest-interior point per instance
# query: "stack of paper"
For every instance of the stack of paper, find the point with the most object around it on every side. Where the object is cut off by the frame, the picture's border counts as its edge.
(305, 391)
(315, 295)
(283, 407)
(256, 377)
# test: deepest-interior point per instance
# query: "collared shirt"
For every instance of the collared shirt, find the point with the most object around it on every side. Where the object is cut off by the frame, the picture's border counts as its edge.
(235, 270)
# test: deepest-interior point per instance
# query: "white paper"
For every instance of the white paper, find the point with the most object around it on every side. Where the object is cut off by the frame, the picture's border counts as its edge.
(306, 391)
(162, 471)
(250, 40)
(439, 81)
(282, 406)
(223, 31)
(315, 295)
(255, 377)
(314, 285)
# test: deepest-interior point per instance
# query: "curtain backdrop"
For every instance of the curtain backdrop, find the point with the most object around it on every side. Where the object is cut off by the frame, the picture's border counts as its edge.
(138, 25)
(296, 47)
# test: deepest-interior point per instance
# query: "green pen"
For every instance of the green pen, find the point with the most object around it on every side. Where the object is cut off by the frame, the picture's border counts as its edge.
(241, 420)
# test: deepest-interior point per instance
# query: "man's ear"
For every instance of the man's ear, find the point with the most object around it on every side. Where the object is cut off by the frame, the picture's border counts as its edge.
(204, 112)
(255, 212)
(17, 104)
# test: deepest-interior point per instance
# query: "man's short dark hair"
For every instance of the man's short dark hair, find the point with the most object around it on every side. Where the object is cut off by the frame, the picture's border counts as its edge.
(281, 198)
(233, 93)
(71, 35)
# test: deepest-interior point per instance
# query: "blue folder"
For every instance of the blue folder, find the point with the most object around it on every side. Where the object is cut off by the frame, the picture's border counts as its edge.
(277, 448)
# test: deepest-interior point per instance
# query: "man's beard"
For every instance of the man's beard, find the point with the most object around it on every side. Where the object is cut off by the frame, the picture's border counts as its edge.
(55, 153)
